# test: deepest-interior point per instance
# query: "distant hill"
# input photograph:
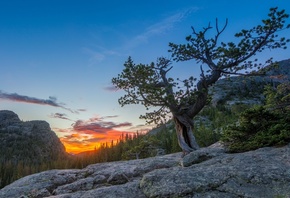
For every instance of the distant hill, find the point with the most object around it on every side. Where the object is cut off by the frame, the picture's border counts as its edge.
(30, 142)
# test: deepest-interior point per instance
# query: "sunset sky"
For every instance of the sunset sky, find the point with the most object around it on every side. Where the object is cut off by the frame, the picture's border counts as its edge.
(57, 57)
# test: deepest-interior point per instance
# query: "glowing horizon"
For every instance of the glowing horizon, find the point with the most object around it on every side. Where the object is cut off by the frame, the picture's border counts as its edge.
(76, 143)
(86, 135)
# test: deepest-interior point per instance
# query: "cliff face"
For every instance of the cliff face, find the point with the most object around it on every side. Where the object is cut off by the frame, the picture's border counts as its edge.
(208, 172)
(31, 141)
(249, 90)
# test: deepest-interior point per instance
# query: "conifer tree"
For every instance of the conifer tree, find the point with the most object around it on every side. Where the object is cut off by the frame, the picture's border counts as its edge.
(150, 86)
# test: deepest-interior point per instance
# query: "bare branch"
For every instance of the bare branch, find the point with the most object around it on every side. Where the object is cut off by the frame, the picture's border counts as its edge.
(217, 27)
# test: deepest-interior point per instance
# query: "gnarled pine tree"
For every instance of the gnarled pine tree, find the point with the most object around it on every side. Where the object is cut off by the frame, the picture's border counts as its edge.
(148, 84)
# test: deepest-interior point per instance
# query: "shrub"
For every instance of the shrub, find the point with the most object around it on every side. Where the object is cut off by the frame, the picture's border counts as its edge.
(257, 127)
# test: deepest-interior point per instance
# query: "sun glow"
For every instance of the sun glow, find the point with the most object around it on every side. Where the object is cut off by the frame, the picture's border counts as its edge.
(80, 142)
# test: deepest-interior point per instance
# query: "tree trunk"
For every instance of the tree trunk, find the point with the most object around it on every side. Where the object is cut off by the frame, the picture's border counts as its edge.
(184, 129)
(184, 121)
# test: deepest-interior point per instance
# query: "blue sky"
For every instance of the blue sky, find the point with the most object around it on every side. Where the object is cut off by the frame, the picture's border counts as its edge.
(57, 58)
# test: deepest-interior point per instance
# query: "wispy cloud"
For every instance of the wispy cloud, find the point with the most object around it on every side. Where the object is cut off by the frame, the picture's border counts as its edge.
(52, 101)
(59, 115)
(111, 116)
(98, 55)
(161, 27)
(168, 23)
(111, 88)
(95, 56)
(83, 110)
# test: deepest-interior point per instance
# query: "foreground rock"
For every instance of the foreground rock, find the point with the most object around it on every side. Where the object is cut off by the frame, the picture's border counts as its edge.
(208, 172)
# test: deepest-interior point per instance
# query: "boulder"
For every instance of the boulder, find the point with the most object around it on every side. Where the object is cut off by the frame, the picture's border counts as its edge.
(261, 173)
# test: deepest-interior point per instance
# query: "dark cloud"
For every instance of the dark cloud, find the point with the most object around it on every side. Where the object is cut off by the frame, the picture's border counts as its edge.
(95, 139)
(97, 118)
(60, 116)
(113, 116)
(73, 141)
(52, 98)
(20, 98)
(97, 125)
(52, 101)
(124, 124)
(111, 88)
(59, 130)
(90, 127)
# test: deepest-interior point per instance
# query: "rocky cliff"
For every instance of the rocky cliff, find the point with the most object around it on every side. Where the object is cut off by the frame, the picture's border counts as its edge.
(31, 141)
(208, 172)
(249, 89)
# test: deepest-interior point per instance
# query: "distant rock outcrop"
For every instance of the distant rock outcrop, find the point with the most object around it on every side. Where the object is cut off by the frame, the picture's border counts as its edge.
(208, 172)
(249, 89)
(31, 141)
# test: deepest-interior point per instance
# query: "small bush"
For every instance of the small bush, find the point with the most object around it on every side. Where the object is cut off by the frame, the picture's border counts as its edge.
(256, 128)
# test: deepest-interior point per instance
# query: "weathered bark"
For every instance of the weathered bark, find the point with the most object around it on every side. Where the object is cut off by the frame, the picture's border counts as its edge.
(184, 124)
(184, 129)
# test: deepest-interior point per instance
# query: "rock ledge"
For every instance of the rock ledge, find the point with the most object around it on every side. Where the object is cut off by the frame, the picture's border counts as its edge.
(208, 172)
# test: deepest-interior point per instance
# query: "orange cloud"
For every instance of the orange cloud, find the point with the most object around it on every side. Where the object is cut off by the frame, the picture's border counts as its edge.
(90, 134)
(80, 142)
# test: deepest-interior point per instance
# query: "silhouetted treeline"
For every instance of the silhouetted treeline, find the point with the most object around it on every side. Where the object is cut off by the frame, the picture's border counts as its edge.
(128, 146)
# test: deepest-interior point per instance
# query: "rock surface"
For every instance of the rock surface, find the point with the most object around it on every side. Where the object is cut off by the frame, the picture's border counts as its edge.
(248, 90)
(208, 172)
(31, 141)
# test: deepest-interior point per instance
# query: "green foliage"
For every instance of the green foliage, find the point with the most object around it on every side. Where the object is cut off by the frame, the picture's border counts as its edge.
(210, 123)
(22, 153)
(258, 127)
(11, 170)
(168, 139)
(232, 57)
(261, 126)
(147, 84)
(278, 98)
(142, 147)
